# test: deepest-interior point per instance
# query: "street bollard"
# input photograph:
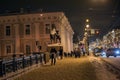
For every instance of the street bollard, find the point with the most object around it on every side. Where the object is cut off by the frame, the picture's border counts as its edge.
(45, 58)
(40, 58)
(23, 62)
(1, 67)
(36, 58)
(4, 69)
(30, 60)
(14, 64)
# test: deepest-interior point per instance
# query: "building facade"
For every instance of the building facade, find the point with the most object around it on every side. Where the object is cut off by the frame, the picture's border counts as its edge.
(27, 33)
(112, 39)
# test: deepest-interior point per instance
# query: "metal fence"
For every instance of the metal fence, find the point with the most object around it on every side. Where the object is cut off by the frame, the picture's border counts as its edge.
(14, 64)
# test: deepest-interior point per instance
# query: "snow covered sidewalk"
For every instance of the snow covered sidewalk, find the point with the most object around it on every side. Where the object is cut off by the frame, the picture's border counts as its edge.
(84, 68)
(66, 69)
(101, 72)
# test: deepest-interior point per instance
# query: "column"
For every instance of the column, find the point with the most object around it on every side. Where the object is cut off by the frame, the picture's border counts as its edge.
(37, 35)
(17, 39)
(63, 37)
(68, 41)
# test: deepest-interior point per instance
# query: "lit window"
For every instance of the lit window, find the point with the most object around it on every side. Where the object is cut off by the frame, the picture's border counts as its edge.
(8, 31)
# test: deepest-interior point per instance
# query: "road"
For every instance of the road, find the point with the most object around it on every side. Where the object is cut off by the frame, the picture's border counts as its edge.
(84, 68)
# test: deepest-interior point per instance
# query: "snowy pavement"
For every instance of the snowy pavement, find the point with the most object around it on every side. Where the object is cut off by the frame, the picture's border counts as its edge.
(113, 60)
(66, 69)
(84, 68)
(101, 72)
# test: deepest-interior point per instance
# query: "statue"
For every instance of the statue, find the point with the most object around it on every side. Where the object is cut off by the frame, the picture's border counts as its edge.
(57, 36)
(52, 35)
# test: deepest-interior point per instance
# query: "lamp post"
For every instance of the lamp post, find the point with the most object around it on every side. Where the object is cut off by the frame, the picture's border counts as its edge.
(86, 36)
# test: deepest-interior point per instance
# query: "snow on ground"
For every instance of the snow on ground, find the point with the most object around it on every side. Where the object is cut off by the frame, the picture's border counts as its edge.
(113, 60)
(66, 69)
(100, 68)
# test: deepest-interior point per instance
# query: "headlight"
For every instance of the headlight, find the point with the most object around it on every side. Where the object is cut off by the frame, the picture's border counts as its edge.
(117, 52)
(103, 54)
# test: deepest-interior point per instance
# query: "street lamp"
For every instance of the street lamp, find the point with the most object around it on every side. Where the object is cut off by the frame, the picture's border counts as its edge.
(86, 34)
(87, 26)
(87, 20)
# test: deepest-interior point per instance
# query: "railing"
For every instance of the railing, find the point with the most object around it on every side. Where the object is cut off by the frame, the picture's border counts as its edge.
(14, 64)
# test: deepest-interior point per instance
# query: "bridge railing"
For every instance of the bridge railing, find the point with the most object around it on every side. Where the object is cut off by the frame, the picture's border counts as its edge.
(14, 64)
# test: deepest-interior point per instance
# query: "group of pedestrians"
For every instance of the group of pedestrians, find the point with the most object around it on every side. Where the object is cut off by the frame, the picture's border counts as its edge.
(79, 51)
(59, 54)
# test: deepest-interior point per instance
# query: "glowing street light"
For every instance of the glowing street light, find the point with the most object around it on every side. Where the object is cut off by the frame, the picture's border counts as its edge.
(87, 26)
(87, 20)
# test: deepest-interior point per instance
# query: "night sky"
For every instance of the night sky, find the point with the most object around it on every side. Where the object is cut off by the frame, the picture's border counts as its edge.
(103, 14)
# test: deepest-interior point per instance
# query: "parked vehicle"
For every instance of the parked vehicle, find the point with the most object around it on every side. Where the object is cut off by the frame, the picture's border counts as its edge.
(113, 52)
(98, 52)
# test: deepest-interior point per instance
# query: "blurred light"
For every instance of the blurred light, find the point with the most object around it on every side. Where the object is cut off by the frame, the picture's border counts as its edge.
(103, 54)
(117, 52)
(113, 31)
(87, 20)
(41, 14)
(87, 26)
(97, 31)
(91, 9)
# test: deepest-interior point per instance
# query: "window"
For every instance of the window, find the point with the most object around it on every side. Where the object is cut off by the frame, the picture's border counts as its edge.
(47, 28)
(8, 31)
(8, 49)
(28, 49)
(53, 26)
(55, 17)
(27, 30)
(49, 17)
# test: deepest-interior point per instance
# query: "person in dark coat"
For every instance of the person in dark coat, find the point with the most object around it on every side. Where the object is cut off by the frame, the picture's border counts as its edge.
(53, 53)
(61, 52)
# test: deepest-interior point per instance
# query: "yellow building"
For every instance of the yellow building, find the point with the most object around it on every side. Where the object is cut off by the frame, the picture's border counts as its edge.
(25, 33)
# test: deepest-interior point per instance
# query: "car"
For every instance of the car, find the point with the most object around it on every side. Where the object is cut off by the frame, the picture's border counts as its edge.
(113, 52)
(98, 52)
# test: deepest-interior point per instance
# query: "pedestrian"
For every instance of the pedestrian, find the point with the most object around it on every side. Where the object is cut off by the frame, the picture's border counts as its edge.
(75, 52)
(53, 53)
(61, 52)
(83, 51)
(78, 53)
